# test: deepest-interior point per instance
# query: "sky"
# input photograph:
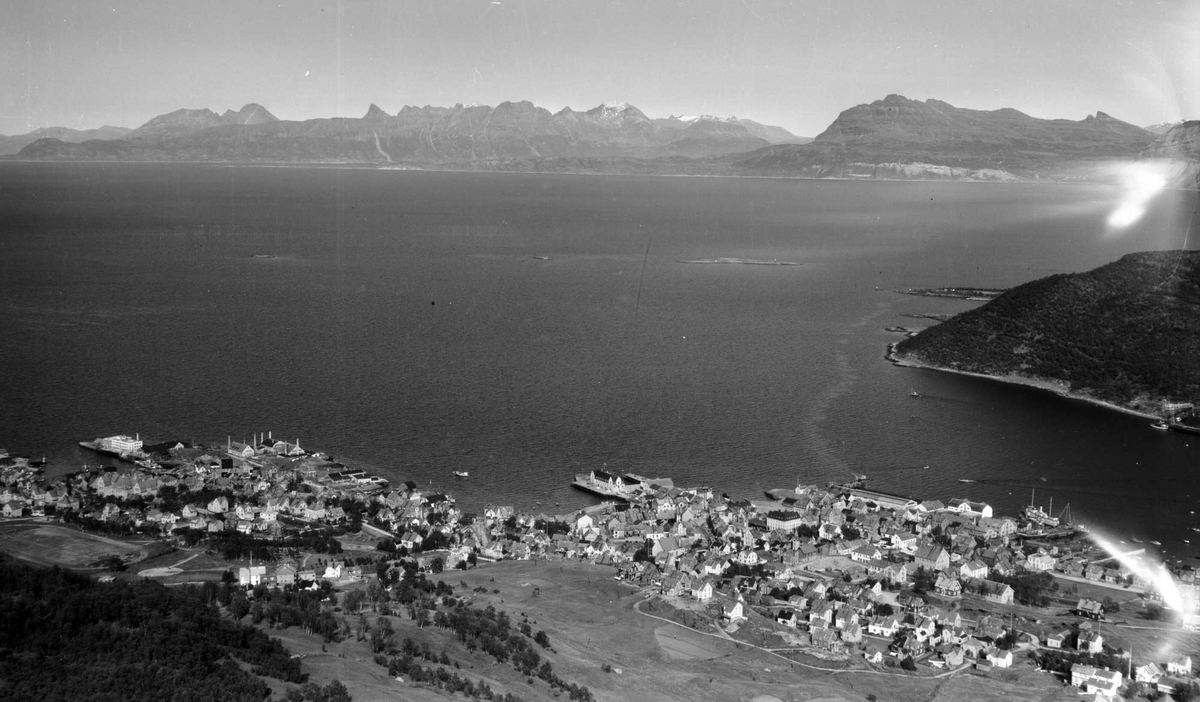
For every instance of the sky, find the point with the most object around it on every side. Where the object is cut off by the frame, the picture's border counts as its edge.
(791, 63)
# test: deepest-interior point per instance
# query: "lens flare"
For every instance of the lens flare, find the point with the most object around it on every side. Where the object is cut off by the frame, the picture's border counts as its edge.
(1140, 182)
(1149, 570)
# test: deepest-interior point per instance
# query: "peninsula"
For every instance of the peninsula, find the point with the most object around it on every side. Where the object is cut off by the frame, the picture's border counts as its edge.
(1122, 334)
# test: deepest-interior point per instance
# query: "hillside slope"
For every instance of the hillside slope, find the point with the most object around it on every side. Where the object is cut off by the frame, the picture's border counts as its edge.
(1126, 332)
(13, 144)
(1180, 147)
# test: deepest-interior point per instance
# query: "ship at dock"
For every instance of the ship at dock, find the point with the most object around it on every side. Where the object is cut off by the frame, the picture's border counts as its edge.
(1044, 523)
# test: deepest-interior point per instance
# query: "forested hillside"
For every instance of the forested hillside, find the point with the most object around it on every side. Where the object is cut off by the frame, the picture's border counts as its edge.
(1127, 332)
(66, 637)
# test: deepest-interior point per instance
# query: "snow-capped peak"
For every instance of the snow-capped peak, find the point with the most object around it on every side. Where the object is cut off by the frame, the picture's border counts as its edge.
(711, 118)
(614, 110)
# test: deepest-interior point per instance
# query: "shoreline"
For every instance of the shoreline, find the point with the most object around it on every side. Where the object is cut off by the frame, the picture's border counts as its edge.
(430, 168)
(1052, 386)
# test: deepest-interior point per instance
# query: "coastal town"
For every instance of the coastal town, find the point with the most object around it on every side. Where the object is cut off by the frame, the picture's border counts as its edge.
(837, 573)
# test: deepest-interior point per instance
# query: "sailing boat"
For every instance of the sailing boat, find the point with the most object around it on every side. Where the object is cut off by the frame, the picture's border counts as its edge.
(1039, 516)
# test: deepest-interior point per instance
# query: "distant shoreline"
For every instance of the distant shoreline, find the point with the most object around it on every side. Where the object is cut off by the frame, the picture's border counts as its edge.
(1053, 386)
(351, 165)
(742, 261)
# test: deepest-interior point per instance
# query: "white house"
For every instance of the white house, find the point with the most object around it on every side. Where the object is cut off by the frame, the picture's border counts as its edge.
(1093, 680)
(1000, 659)
(1040, 562)
(1148, 673)
(252, 576)
(1180, 665)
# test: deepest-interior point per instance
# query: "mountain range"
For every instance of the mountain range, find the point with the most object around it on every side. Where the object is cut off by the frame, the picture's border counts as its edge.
(893, 138)
(426, 136)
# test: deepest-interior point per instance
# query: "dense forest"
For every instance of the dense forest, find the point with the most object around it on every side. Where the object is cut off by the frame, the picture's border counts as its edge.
(66, 637)
(1126, 332)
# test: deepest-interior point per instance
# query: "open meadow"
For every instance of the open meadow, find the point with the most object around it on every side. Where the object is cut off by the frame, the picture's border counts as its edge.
(593, 626)
(49, 545)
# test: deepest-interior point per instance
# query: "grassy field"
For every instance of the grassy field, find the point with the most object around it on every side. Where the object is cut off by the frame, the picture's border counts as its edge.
(591, 621)
(47, 544)
(188, 565)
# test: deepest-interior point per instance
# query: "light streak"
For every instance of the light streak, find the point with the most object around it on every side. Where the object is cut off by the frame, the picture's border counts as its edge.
(1150, 570)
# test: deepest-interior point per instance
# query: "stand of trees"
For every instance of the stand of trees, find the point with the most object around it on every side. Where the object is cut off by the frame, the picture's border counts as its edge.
(1029, 588)
(66, 637)
(234, 545)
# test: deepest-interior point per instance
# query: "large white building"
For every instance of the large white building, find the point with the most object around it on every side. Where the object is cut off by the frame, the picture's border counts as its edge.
(121, 443)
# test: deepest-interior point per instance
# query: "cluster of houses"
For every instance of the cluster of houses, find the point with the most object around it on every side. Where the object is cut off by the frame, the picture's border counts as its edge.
(811, 565)
(259, 490)
(1168, 679)
(288, 573)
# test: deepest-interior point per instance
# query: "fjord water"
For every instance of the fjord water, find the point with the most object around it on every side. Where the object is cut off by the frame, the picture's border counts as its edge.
(404, 320)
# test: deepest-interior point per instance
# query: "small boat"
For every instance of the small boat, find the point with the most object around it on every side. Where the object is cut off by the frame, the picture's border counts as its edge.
(914, 393)
(1196, 529)
(1186, 541)
(542, 258)
(1160, 425)
(964, 480)
(461, 473)
(1156, 543)
(1135, 540)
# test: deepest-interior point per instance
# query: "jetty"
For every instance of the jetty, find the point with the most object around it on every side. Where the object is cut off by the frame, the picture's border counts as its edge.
(624, 487)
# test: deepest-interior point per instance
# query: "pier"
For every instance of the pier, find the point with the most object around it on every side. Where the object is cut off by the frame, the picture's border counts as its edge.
(618, 486)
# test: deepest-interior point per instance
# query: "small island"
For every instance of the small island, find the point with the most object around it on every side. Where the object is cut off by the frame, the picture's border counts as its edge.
(743, 261)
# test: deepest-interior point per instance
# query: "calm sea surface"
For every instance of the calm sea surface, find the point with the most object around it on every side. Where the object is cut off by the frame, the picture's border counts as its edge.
(405, 322)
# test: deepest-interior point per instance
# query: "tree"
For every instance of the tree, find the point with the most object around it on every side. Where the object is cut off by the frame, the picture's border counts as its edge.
(437, 565)
(376, 593)
(1188, 692)
(909, 664)
(353, 600)
(923, 580)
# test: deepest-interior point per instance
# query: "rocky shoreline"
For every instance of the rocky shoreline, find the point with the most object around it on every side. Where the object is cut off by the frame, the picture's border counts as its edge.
(1057, 387)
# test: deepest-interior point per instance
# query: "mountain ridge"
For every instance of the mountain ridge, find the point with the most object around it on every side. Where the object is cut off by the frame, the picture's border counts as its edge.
(1003, 144)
